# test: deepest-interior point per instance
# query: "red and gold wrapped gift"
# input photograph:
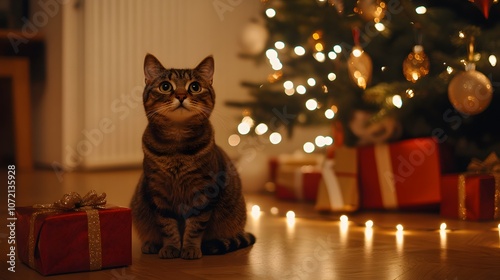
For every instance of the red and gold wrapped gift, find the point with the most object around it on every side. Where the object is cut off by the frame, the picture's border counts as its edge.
(295, 176)
(468, 196)
(491, 166)
(297, 183)
(74, 234)
(401, 175)
(338, 190)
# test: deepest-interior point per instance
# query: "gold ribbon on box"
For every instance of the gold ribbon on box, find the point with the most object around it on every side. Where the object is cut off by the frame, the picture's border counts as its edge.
(491, 165)
(462, 208)
(90, 203)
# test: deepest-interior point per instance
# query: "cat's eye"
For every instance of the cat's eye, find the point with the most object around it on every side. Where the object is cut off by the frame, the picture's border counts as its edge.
(165, 87)
(194, 87)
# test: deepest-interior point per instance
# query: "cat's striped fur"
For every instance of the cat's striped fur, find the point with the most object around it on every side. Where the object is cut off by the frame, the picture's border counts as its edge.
(188, 201)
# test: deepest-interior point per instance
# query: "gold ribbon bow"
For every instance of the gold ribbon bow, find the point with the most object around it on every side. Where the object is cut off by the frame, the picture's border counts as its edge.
(90, 203)
(73, 201)
(491, 165)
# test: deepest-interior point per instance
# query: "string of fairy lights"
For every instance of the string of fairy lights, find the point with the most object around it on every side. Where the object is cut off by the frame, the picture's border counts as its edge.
(256, 212)
(415, 66)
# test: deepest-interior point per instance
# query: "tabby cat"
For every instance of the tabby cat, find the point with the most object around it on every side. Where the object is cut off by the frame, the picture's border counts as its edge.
(188, 201)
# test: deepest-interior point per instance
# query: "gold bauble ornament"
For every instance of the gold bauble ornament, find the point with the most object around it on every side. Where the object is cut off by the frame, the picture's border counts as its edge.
(416, 65)
(470, 92)
(360, 67)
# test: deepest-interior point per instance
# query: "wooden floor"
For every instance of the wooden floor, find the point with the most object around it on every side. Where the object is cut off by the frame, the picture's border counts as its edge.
(312, 246)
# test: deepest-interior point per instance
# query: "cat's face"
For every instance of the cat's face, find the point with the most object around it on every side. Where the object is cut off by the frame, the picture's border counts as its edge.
(178, 95)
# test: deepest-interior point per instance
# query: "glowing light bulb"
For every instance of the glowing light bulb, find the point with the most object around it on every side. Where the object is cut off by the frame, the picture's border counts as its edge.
(288, 85)
(344, 219)
(337, 48)
(318, 46)
(332, 76)
(234, 140)
(261, 128)
(328, 140)
(379, 26)
(311, 104)
(329, 114)
(270, 13)
(256, 211)
(279, 45)
(248, 120)
(300, 51)
(276, 65)
(332, 55)
(442, 227)
(399, 227)
(301, 89)
(311, 82)
(493, 60)
(357, 51)
(289, 91)
(243, 128)
(369, 224)
(308, 147)
(319, 56)
(421, 10)
(397, 101)
(290, 215)
(320, 141)
(274, 210)
(271, 53)
(275, 138)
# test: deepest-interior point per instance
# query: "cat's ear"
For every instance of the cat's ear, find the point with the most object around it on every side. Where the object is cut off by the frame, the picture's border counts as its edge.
(206, 68)
(152, 68)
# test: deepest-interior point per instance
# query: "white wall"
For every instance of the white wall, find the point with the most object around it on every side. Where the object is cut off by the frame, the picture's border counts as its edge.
(209, 27)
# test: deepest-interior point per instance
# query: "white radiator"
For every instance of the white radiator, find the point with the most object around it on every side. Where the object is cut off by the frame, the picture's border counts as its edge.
(116, 36)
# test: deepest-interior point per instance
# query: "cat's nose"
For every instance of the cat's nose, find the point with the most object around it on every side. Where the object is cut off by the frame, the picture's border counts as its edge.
(181, 97)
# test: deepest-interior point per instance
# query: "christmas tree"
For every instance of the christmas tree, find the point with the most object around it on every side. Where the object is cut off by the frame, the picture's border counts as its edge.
(386, 70)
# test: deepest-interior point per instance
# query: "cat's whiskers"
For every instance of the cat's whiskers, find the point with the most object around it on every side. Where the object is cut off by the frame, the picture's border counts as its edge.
(164, 108)
(200, 109)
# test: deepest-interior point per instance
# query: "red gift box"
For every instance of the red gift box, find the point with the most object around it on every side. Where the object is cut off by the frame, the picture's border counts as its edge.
(401, 175)
(60, 239)
(468, 197)
(298, 183)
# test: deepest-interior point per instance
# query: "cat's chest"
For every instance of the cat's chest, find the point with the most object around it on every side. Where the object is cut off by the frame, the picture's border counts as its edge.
(174, 167)
(177, 168)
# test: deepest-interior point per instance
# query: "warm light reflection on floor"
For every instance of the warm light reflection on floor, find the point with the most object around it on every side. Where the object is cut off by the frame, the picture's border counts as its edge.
(443, 241)
(343, 232)
(290, 223)
(368, 241)
(399, 242)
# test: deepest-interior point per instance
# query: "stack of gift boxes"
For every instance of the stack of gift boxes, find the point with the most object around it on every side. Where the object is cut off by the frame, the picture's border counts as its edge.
(415, 174)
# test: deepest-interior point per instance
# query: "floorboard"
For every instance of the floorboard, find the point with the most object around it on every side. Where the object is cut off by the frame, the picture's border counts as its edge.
(311, 246)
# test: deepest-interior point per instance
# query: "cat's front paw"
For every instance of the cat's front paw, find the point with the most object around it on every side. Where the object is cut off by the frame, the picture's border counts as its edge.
(169, 252)
(150, 248)
(191, 253)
